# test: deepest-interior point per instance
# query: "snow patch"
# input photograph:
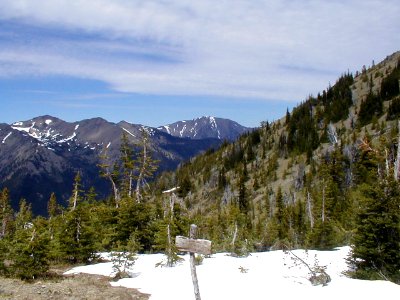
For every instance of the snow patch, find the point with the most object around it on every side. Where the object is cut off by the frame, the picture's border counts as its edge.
(267, 275)
(24, 129)
(167, 129)
(6, 137)
(182, 131)
(48, 121)
(67, 139)
(127, 131)
(76, 127)
(171, 190)
(108, 145)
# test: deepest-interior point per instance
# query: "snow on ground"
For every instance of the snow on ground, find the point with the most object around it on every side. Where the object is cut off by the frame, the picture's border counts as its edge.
(269, 274)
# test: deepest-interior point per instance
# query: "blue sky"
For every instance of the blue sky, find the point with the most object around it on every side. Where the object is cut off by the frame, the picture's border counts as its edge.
(155, 62)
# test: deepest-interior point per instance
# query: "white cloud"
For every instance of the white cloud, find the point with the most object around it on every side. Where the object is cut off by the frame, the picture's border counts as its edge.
(259, 49)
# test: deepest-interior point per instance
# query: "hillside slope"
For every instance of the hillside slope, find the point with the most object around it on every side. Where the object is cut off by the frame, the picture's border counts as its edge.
(299, 180)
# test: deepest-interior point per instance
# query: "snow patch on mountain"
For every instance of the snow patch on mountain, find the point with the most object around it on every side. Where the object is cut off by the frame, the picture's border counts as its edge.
(70, 138)
(6, 137)
(205, 127)
(24, 129)
(181, 132)
(166, 128)
(150, 131)
(46, 136)
(128, 132)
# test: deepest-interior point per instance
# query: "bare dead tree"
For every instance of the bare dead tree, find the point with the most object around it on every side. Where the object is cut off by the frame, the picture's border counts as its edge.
(234, 236)
(107, 173)
(75, 192)
(332, 135)
(309, 210)
(323, 202)
(397, 161)
(147, 165)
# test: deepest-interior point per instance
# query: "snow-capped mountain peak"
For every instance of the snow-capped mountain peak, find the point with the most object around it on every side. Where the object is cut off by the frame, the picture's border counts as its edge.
(48, 131)
(47, 151)
(205, 127)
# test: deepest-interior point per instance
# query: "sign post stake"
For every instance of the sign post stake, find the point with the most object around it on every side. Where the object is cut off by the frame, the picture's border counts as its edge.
(193, 245)
(192, 235)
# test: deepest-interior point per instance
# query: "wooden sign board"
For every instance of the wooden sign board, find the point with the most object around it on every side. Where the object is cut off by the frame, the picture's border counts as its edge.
(193, 245)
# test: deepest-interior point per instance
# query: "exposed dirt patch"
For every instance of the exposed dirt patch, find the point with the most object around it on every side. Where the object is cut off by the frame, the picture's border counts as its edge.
(75, 287)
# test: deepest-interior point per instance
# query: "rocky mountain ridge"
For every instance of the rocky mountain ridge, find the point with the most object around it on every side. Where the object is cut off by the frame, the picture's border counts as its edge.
(206, 127)
(41, 155)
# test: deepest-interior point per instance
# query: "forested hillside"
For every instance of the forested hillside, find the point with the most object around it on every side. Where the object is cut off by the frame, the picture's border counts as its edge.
(324, 175)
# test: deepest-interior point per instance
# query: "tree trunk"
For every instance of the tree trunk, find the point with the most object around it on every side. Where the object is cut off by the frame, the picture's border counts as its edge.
(234, 237)
(130, 184)
(309, 210)
(75, 197)
(116, 193)
(141, 173)
(3, 227)
(323, 203)
(397, 162)
(78, 229)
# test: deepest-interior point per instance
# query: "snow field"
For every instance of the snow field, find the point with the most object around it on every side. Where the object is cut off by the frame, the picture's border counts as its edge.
(265, 275)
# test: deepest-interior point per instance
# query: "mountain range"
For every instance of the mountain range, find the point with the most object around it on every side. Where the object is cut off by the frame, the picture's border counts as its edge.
(43, 155)
(205, 127)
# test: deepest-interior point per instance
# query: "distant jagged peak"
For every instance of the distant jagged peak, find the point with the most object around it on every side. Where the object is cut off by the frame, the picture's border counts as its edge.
(205, 127)
(44, 120)
(98, 120)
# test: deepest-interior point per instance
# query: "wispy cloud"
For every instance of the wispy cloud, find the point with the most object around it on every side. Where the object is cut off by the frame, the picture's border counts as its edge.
(276, 49)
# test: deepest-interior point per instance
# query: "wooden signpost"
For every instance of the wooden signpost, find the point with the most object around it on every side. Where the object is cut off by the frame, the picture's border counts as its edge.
(193, 245)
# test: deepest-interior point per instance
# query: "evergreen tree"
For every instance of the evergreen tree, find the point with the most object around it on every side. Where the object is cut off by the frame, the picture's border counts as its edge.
(172, 224)
(138, 218)
(281, 216)
(28, 247)
(394, 109)
(185, 185)
(3, 257)
(390, 85)
(376, 246)
(243, 201)
(52, 206)
(76, 237)
(6, 213)
(90, 196)
(287, 119)
(370, 107)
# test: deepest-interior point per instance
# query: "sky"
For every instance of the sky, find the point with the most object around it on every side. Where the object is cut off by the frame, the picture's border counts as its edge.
(155, 62)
